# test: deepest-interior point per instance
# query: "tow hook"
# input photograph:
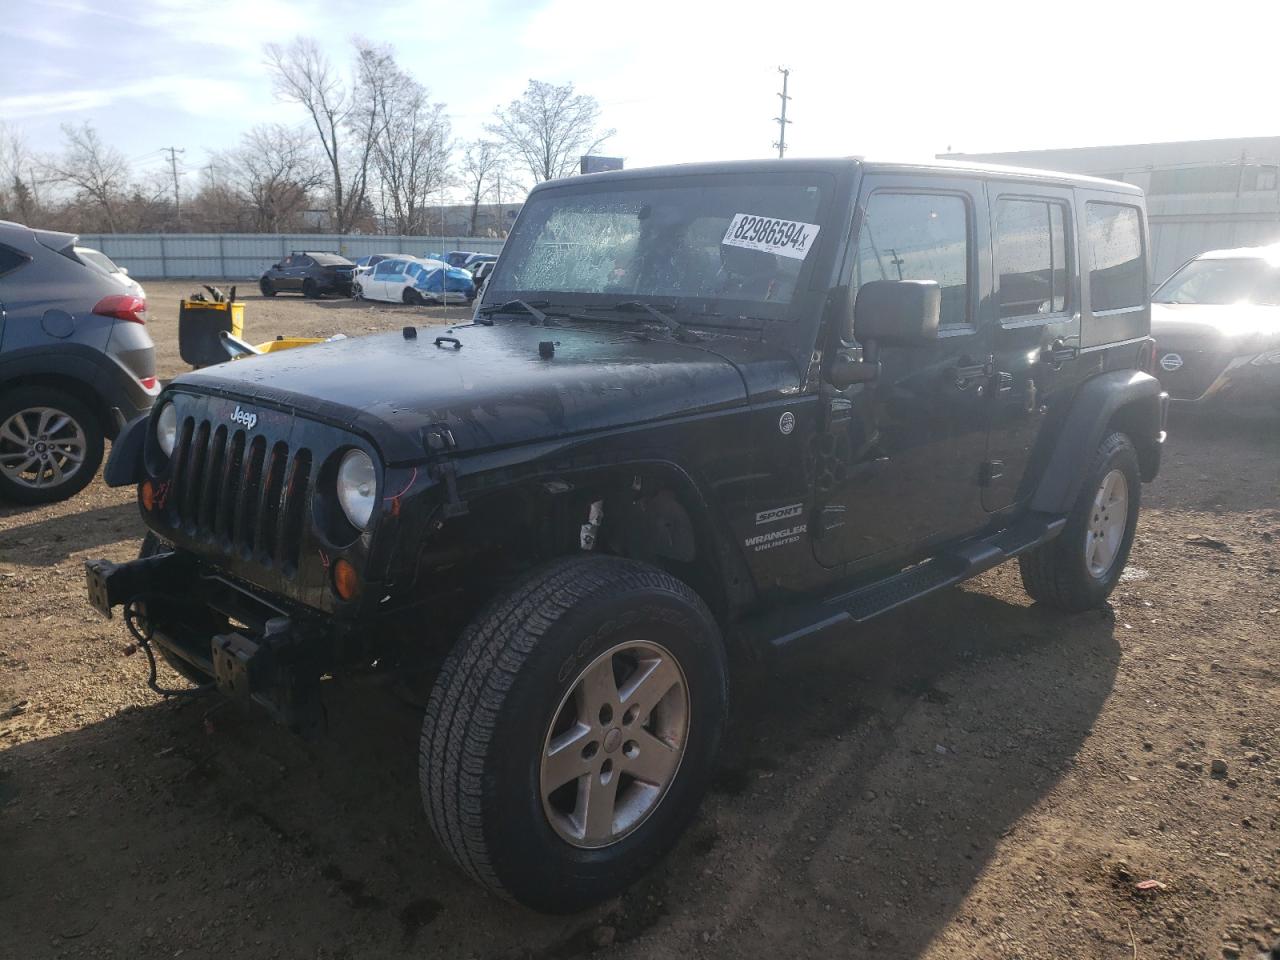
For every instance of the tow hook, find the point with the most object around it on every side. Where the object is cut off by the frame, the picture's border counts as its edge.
(592, 527)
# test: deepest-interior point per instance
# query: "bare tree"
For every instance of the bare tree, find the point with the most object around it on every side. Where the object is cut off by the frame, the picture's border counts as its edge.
(97, 172)
(549, 128)
(480, 164)
(19, 188)
(304, 75)
(410, 134)
(272, 172)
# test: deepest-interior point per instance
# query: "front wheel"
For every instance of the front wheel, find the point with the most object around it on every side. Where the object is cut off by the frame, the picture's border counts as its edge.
(267, 287)
(412, 297)
(573, 730)
(1079, 569)
(310, 290)
(357, 292)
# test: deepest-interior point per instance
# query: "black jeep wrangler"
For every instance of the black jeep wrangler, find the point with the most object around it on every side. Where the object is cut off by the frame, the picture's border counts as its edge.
(700, 410)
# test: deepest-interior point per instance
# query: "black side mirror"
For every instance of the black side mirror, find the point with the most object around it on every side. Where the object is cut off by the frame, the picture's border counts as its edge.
(899, 312)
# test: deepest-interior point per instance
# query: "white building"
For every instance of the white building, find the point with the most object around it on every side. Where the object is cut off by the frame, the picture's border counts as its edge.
(1201, 194)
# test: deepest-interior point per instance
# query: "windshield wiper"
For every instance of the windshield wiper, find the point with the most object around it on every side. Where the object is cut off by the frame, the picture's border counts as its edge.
(511, 306)
(674, 326)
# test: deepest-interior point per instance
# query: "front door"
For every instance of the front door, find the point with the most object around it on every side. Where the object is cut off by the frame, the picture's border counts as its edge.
(899, 459)
(1036, 340)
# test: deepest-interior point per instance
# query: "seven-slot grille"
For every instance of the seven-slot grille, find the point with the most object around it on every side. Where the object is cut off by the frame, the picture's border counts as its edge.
(247, 494)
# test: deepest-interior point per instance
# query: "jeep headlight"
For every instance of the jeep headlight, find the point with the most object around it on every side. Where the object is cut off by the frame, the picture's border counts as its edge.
(357, 487)
(167, 428)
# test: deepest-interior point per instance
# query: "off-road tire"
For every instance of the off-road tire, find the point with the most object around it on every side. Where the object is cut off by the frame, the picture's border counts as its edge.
(492, 704)
(1056, 574)
(151, 545)
(310, 290)
(24, 398)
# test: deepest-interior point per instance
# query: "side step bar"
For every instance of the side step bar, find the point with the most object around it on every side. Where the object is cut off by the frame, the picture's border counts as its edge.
(872, 600)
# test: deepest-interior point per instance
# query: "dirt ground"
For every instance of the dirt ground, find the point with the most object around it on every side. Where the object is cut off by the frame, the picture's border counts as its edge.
(971, 777)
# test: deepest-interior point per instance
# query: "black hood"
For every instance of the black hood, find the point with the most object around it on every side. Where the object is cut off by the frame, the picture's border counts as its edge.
(492, 391)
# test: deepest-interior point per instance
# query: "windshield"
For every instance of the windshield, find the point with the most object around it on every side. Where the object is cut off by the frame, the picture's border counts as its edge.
(1235, 280)
(707, 239)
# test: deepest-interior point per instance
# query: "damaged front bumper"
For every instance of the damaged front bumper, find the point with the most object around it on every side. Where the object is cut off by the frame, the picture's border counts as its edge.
(250, 645)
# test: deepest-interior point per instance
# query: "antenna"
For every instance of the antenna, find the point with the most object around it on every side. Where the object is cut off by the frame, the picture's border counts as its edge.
(782, 121)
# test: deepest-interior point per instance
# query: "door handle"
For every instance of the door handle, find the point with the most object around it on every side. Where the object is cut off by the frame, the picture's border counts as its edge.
(1058, 353)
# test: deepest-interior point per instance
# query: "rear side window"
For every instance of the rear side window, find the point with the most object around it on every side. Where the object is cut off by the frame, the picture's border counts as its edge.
(918, 236)
(11, 259)
(1031, 255)
(1117, 278)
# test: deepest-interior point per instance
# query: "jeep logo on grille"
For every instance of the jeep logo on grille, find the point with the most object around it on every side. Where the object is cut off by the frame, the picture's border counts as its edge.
(1171, 362)
(250, 420)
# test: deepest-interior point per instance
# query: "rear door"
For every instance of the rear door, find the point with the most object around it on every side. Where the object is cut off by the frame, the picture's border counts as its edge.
(1036, 339)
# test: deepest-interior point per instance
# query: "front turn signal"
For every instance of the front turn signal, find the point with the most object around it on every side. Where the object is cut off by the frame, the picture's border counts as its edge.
(346, 582)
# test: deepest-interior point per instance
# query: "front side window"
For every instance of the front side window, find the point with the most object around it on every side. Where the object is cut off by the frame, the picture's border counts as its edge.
(395, 268)
(1031, 257)
(918, 236)
(382, 269)
(1117, 277)
(1223, 281)
(707, 239)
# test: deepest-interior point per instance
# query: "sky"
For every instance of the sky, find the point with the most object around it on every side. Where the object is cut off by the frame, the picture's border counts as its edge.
(680, 80)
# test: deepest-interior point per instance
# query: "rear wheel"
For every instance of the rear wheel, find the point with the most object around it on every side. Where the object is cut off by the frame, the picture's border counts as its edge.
(50, 445)
(1082, 565)
(267, 287)
(573, 731)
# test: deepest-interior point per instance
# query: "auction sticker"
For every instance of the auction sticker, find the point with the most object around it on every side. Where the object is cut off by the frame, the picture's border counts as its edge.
(786, 238)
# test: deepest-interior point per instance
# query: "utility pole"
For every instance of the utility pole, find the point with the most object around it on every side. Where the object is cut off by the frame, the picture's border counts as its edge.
(782, 121)
(173, 165)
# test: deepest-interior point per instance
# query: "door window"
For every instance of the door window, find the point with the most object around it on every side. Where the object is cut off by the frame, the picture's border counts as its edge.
(395, 268)
(382, 269)
(1031, 245)
(918, 236)
(303, 262)
(1117, 278)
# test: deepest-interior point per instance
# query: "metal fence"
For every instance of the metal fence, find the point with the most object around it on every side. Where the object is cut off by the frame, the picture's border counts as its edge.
(243, 256)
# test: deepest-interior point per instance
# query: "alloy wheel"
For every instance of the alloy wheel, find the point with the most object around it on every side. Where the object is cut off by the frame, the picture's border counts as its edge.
(615, 744)
(1108, 518)
(41, 447)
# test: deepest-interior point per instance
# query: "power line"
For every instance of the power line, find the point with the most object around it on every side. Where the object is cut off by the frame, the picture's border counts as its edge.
(173, 165)
(782, 121)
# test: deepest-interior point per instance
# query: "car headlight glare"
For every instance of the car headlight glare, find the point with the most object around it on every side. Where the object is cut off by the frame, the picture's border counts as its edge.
(1266, 359)
(167, 428)
(357, 487)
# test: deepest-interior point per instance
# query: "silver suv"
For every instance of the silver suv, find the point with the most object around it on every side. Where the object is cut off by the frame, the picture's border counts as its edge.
(76, 363)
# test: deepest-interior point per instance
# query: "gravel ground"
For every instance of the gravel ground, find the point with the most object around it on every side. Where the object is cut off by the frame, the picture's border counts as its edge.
(969, 777)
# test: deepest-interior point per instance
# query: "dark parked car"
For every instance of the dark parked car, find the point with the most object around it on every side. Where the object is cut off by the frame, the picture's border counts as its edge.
(311, 274)
(76, 363)
(1216, 323)
(754, 405)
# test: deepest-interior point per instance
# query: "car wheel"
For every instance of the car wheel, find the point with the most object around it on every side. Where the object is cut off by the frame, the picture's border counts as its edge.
(357, 291)
(50, 445)
(309, 289)
(412, 297)
(152, 545)
(573, 730)
(267, 287)
(1080, 567)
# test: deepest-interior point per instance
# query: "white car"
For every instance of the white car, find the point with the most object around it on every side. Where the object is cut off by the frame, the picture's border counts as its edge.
(98, 259)
(415, 280)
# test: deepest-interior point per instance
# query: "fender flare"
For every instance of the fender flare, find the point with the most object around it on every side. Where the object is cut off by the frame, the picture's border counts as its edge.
(91, 368)
(1130, 396)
